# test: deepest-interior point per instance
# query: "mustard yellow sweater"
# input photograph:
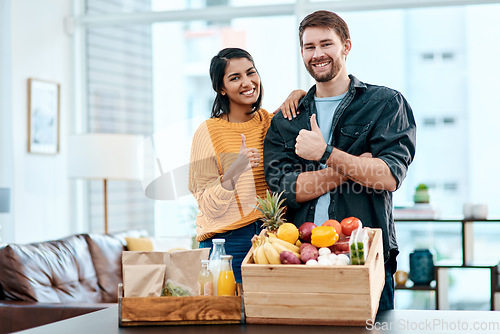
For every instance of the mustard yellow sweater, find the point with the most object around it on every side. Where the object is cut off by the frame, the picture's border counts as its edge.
(215, 147)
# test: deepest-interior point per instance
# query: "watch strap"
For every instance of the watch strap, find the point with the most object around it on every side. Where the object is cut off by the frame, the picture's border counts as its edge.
(326, 155)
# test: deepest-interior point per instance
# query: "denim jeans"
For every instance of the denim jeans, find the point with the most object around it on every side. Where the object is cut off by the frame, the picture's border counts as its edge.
(238, 243)
(387, 297)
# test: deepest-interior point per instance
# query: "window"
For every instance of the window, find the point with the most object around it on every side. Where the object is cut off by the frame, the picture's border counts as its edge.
(184, 95)
(119, 100)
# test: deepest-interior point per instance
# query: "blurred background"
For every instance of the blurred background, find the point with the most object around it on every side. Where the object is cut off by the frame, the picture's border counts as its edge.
(141, 67)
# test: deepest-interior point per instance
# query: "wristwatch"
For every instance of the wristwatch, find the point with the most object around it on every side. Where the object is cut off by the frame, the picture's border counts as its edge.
(326, 155)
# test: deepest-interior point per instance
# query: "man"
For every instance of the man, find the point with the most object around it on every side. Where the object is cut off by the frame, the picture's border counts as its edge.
(370, 131)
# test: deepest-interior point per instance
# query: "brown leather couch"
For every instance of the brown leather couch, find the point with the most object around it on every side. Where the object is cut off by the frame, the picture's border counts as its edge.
(54, 280)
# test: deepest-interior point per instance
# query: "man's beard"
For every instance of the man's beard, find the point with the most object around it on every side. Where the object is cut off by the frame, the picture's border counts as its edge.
(324, 77)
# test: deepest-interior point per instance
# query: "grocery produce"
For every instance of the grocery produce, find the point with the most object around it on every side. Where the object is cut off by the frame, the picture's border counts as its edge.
(175, 290)
(358, 251)
(305, 244)
(281, 245)
(342, 260)
(273, 210)
(258, 253)
(359, 246)
(350, 224)
(261, 257)
(272, 255)
(288, 232)
(267, 248)
(331, 259)
(324, 236)
(308, 252)
(341, 246)
(305, 231)
(324, 251)
(334, 223)
(287, 257)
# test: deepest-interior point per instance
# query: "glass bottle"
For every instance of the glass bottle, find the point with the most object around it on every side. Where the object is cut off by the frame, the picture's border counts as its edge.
(218, 250)
(226, 285)
(205, 279)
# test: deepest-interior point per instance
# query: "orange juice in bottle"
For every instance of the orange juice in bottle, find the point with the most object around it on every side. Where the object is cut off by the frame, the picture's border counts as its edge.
(226, 284)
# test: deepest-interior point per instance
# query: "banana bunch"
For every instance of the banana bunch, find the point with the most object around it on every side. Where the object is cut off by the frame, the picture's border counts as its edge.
(266, 249)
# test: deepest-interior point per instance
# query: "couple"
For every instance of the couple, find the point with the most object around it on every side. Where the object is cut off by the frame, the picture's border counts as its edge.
(341, 151)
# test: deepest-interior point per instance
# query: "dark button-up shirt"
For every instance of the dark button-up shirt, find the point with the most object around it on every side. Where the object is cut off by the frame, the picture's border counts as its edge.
(370, 118)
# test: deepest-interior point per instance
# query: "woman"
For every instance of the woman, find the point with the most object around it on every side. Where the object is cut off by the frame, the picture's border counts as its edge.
(226, 172)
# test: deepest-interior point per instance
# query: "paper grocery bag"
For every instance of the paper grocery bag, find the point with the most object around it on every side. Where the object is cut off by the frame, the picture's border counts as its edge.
(183, 266)
(143, 273)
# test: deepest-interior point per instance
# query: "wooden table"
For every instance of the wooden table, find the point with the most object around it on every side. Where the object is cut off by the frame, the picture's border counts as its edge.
(398, 321)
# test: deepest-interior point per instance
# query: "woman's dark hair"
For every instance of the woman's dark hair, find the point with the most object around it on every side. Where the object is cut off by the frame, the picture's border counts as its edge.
(217, 70)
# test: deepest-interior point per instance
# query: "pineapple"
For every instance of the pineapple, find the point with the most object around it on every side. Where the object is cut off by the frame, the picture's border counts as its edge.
(273, 212)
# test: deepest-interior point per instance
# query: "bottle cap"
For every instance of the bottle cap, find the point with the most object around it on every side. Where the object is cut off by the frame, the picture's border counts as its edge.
(205, 261)
(218, 241)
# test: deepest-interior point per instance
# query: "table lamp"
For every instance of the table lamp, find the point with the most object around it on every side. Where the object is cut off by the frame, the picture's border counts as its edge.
(102, 156)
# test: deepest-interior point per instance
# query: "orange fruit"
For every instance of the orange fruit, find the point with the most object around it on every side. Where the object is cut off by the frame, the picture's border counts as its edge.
(334, 223)
(288, 232)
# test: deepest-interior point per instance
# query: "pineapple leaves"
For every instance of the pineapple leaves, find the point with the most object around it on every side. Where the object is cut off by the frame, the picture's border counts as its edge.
(272, 209)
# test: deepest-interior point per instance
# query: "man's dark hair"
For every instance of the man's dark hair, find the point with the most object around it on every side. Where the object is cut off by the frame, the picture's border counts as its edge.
(324, 19)
(217, 70)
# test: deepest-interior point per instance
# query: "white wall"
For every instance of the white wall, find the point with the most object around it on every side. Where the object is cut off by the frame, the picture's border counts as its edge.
(5, 117)
(40, 188)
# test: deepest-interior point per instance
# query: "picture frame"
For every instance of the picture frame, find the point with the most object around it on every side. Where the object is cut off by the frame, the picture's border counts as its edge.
(43, 116)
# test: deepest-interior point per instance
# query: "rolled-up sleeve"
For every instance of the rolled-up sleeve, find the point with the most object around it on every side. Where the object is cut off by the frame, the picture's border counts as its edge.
(394, 137)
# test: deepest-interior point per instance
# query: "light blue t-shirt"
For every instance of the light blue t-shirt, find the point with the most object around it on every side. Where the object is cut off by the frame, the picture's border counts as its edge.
(325, 108)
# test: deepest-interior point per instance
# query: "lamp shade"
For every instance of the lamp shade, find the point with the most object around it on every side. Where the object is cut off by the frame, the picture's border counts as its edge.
(4, 200)
(104, 156)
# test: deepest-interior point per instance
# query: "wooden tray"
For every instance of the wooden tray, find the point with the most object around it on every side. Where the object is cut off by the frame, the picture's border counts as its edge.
(314, 295)
(197, 310)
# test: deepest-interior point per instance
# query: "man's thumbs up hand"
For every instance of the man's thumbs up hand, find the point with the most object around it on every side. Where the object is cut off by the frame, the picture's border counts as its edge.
(314, 125)
(310, 145)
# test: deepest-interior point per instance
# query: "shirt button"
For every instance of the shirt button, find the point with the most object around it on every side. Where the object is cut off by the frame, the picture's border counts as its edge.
(357, 133)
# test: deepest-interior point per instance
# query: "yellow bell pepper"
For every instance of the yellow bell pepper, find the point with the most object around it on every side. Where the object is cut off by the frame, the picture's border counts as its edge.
(324, 236)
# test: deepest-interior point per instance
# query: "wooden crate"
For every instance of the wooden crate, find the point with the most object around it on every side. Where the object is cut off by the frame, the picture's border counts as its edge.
(197, 310)
(314, 295)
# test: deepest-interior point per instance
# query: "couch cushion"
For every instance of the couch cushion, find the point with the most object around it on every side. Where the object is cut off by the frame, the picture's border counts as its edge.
(137, 233)
(59, 271)
(106, 252)
(142, 244)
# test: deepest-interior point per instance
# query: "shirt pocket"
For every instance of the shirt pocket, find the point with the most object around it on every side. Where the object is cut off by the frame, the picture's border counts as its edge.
(350, 134)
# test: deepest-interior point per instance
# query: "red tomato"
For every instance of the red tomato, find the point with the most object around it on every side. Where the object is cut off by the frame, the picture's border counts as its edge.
(350, 224)
(334, 223)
